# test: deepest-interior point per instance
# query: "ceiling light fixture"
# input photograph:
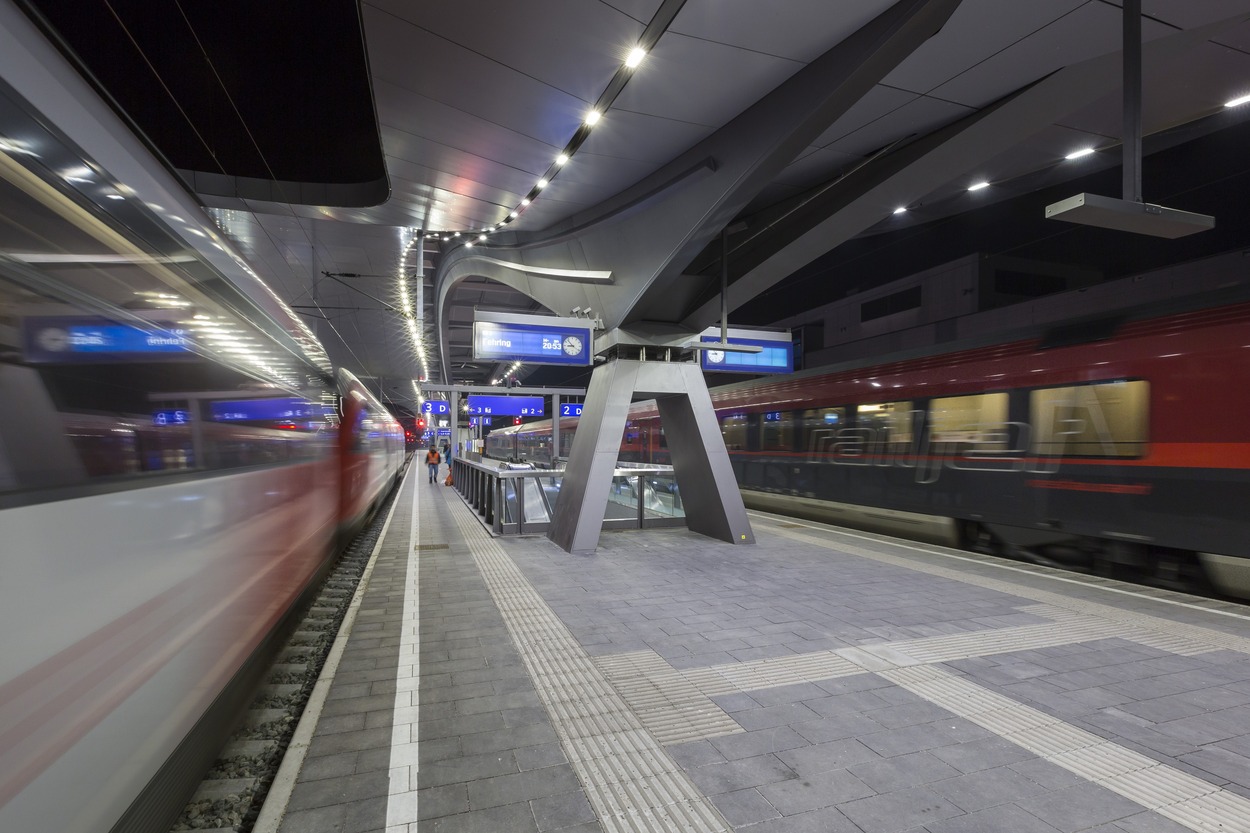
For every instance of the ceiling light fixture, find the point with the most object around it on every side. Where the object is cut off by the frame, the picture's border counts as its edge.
(1077, 154)
(592, 118)
(978, 186)
(525, 201)
(542, 183)
(562, 159)
(902, 209)
(635, 57)
(1237, 102)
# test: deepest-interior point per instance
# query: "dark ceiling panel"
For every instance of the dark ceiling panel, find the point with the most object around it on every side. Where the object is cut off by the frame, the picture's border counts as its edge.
(266, 91)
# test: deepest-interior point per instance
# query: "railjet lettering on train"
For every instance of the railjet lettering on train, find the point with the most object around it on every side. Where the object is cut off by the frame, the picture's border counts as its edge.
(975, 447)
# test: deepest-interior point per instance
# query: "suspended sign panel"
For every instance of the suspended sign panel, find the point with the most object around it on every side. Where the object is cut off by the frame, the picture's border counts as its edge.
(506, 406)
(76, 339)
(503, 341)
(570, 409)
(266, 410)
(437, 407)
(775, 357)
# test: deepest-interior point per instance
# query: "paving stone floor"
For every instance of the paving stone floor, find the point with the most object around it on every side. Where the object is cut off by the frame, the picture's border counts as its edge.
(817, 681)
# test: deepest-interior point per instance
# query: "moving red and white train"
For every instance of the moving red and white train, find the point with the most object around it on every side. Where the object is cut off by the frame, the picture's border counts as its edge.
(1117, 446)
(178, 460)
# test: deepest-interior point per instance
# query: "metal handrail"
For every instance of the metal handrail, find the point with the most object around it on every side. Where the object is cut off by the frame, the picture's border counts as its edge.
(511, 500)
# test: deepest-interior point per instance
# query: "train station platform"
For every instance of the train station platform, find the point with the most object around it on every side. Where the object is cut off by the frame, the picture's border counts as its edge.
(819, 680)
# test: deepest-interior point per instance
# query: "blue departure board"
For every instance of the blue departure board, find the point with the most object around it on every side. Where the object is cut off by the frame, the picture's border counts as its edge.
(266, 410)
(86, 338)
(506, 406)
(776, 357)
(532, 343)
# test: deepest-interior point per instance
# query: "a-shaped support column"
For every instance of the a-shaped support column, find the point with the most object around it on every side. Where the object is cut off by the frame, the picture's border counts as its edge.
(700, 462)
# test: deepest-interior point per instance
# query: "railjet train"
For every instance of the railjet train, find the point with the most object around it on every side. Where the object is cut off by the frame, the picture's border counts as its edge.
(177, 461)
(1127, 452)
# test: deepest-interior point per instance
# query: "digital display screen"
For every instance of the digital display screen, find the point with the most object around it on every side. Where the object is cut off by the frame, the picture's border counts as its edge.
(571, 409)
(66, 338)
(265, 410)
(506, 406)
(531, 343)
(776, 357)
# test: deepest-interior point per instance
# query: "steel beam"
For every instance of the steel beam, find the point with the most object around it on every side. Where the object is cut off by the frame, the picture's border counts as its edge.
(649, 233)
(700, 462)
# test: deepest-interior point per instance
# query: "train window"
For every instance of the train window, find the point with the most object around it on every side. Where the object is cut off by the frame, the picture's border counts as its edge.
(1108, 419)
(979, 420)
(734, 429)
(890, 424)
(820, 428)
(777, 431)
(113, 356)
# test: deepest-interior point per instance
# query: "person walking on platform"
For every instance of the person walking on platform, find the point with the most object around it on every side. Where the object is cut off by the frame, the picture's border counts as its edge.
(432, 459)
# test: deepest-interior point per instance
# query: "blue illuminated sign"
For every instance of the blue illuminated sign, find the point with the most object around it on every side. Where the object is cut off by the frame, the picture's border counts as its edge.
(533, 343)
(263, 410)
(571, 409)
(506, 406)
(476, 421)
(776, 357)
(171, 417)
(66, 338)
(437, 407)
(772, 416)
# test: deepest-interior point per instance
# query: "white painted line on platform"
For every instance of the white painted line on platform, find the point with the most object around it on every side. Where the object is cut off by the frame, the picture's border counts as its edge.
(401, 801)
(274, 808)
(1194, 638)
(945, 552)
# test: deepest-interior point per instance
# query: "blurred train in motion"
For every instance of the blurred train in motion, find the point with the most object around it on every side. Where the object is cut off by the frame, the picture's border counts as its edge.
(177, 461)
(1119, 446)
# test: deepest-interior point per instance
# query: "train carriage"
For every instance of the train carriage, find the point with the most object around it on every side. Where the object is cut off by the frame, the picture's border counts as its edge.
(1114, 445)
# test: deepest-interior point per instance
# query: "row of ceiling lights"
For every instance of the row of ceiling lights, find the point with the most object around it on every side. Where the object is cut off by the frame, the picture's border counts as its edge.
(593, 117)
(1076, 154)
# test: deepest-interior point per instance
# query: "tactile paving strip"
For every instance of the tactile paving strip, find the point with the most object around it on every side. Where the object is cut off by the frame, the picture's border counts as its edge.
(676, 706)
(1181, 797)
(632, 783)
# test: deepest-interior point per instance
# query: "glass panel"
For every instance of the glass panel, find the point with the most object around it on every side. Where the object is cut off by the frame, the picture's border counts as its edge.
(509, 501)
(662, 498)
(820, 428)
(979, 421)
(734, 429)
(622, 498)
(777, 431)
(1103, 420)
(535, 510)
(890, 424)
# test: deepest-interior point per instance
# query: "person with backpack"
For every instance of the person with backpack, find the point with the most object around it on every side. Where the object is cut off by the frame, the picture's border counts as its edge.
(432, 459)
